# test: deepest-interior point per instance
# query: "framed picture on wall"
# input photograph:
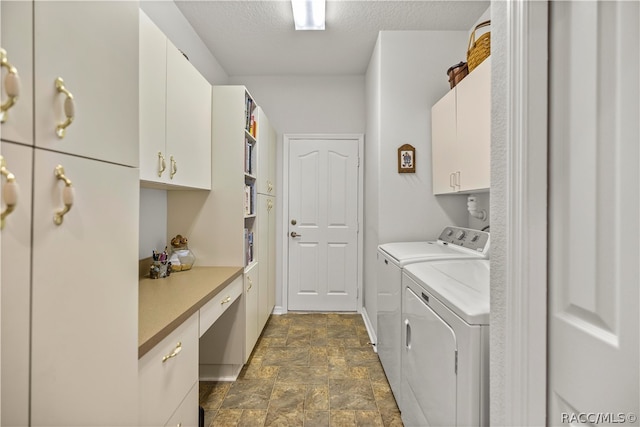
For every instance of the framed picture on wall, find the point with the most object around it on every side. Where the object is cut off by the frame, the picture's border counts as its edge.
(406, 159)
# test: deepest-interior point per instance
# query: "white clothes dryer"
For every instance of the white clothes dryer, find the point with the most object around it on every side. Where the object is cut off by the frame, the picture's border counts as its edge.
(453, 243)
(445, 343)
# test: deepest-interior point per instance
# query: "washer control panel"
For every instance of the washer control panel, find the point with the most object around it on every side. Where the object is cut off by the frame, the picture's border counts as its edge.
(475, 240)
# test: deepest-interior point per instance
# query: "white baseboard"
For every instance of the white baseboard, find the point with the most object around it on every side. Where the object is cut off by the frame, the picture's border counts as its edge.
(372, 334)
(278, 310)
(219, 372)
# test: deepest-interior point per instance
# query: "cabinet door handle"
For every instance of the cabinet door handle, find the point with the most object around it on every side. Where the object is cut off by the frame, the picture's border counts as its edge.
(174, 353)
(11, 85)
(67, 195)
(69, 108)
(452, 180)
(9, 191)
(408, 336)
(458, 180)
(226, 300)
(174, 167)
(162, 165)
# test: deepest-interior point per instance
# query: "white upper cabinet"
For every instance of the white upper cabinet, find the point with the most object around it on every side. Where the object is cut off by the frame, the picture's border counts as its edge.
(89, 46)
(175, 115)
(153, 95)
(461, 135)
(266, 155)
(17, 41)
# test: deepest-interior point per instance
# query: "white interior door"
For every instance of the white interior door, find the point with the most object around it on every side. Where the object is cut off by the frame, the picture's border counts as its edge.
(594, 213)
(323, 224)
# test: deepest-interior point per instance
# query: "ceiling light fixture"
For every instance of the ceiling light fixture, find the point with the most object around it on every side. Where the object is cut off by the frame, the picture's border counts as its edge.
(308, 14)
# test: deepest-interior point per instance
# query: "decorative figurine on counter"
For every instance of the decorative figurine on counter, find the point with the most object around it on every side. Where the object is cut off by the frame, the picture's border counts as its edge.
(181, 256)
(161, 266)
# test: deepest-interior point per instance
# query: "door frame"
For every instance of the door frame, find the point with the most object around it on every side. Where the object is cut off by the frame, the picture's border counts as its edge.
(287, 138)
(519, 212)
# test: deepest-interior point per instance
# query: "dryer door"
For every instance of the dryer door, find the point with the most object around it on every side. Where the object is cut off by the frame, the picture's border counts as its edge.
(429, 360)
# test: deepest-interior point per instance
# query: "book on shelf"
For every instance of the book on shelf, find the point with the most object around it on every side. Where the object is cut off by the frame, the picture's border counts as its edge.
(250, 194)
(248, 156)
(247, 199)
(248, 246)
(250, 106)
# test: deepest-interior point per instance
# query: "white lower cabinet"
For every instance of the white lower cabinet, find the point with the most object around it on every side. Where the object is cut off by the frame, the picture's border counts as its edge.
(16, 253)
(251, 285)
(167, 374)
(187, 413)
(84, 301)
(69, 302)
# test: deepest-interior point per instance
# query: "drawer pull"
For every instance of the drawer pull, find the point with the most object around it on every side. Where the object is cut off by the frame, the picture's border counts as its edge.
(226, 300)
(69, 108)
(9, 192)
(174, 353)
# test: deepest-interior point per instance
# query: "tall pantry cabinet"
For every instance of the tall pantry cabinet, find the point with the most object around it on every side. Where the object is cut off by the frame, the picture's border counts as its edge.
(226, 226)
(241, 130)
(69, 250)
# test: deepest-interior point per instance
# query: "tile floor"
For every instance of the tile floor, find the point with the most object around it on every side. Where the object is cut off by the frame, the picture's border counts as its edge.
(307, 369)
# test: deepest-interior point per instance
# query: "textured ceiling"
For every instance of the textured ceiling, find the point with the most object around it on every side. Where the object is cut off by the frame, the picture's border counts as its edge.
(257, 37)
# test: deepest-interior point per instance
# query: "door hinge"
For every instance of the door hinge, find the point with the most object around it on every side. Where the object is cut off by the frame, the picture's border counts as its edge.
(456, 367)
(358, 161)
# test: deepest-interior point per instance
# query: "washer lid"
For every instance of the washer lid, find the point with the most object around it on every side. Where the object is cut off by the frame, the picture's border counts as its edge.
(402, 253)
(461, 285)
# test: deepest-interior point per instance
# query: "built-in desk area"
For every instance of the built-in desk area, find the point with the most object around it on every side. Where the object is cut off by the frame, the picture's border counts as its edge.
(175, 313)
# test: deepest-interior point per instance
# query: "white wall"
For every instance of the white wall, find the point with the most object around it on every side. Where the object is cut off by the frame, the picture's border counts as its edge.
(153, 221)
(406, 76)
(309, 104)
(414, 65)
(371, 185)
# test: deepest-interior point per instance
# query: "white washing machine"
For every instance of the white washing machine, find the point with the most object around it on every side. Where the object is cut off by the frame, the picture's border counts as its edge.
(445, 343)
(453, 243)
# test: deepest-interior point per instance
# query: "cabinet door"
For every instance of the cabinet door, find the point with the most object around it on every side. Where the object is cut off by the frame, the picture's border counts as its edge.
(84, 351)
(17, 40)
(271, 256)
(251, 286)
(187, 413)
(188, 123)
(15, 285)
(474, 128)
(266, 258)
(266, 154)
(93, 47)
(153, 92)
(443, 143)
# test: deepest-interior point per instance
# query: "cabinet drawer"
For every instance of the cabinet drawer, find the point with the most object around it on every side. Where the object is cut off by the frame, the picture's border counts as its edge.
(187, 413)
(212, 310)
(164, 384)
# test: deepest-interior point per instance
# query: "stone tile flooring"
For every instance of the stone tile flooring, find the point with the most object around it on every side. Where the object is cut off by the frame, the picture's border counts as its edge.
(307, 369)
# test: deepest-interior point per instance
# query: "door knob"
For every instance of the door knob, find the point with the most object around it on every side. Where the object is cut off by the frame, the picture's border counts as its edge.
(294, 234)
(294, 222)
